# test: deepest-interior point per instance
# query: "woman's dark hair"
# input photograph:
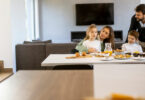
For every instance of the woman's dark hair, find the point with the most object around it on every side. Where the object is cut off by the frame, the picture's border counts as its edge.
(110, 39)
(140, 8)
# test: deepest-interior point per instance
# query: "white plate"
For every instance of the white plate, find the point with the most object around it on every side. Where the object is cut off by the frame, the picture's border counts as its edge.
(93, 54)
(122, 58)
(106, 58)
(139, 58)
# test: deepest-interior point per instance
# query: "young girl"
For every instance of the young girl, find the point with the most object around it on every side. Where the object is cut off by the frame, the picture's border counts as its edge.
(90, 39)
(90, 44)
(106, 36)
(132, 45)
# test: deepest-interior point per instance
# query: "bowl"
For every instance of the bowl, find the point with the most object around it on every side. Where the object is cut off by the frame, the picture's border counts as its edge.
(128, 53)
(143, 54)
(136, 54)
(119, 53)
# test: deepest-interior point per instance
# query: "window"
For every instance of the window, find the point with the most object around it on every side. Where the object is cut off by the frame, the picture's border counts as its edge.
(32, 19)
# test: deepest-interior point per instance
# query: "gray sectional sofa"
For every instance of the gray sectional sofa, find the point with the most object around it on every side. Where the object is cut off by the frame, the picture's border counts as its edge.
(30, 55)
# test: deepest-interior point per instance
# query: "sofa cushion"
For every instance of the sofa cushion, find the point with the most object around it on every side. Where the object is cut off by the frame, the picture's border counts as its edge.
(118, 45)
(30, 56)
(59, 48)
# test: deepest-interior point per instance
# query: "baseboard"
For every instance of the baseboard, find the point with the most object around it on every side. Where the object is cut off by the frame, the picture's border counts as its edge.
(7, 70)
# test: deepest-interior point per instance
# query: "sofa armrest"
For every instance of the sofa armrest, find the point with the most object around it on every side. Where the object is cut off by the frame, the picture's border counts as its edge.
(30, 56)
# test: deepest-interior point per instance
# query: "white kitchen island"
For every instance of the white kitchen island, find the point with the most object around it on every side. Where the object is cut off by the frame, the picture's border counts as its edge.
(115, 76)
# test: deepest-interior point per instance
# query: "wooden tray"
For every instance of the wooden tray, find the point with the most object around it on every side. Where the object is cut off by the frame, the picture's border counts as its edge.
(74, 57)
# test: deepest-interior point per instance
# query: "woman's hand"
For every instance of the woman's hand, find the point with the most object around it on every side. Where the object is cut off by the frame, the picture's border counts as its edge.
(91, 50)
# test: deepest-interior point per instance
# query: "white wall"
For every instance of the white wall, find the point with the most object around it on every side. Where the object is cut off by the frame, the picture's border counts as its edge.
(12, 29)
(57, 17)
(143, 1)
(18, 20)
(5, 33)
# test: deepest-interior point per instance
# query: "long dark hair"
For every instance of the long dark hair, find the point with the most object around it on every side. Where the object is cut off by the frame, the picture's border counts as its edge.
(110, 39)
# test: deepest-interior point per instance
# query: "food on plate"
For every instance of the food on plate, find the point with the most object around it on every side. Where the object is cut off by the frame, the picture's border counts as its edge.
(77, 54)
(121, 97)
(122, 56)
(71, 57)
(84, 53)
(99, 56)
(118, 50)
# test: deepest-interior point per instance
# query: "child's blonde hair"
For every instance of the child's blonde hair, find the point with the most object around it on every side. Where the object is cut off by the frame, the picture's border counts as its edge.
(88, 30)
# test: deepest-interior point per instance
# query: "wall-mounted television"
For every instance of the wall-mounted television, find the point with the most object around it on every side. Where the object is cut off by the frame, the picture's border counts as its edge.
(99, 14)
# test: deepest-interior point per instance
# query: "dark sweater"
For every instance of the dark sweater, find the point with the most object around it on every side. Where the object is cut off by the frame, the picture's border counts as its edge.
(135, 25)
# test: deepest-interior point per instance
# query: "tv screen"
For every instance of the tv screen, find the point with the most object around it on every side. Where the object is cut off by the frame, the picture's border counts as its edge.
(99, 14)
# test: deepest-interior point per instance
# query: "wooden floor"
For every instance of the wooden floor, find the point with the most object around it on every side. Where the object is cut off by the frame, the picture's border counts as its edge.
(48, 85)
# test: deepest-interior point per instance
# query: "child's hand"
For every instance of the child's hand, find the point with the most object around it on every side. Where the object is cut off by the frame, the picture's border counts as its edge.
(91, 50)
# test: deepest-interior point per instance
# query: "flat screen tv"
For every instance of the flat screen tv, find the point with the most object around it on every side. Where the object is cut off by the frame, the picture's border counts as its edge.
(99, 14)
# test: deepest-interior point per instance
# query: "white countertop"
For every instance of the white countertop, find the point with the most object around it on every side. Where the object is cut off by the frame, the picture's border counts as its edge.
(60, 59)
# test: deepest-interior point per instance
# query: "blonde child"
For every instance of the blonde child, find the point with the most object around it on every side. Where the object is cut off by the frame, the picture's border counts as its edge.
(90, 43)
(132, 45)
